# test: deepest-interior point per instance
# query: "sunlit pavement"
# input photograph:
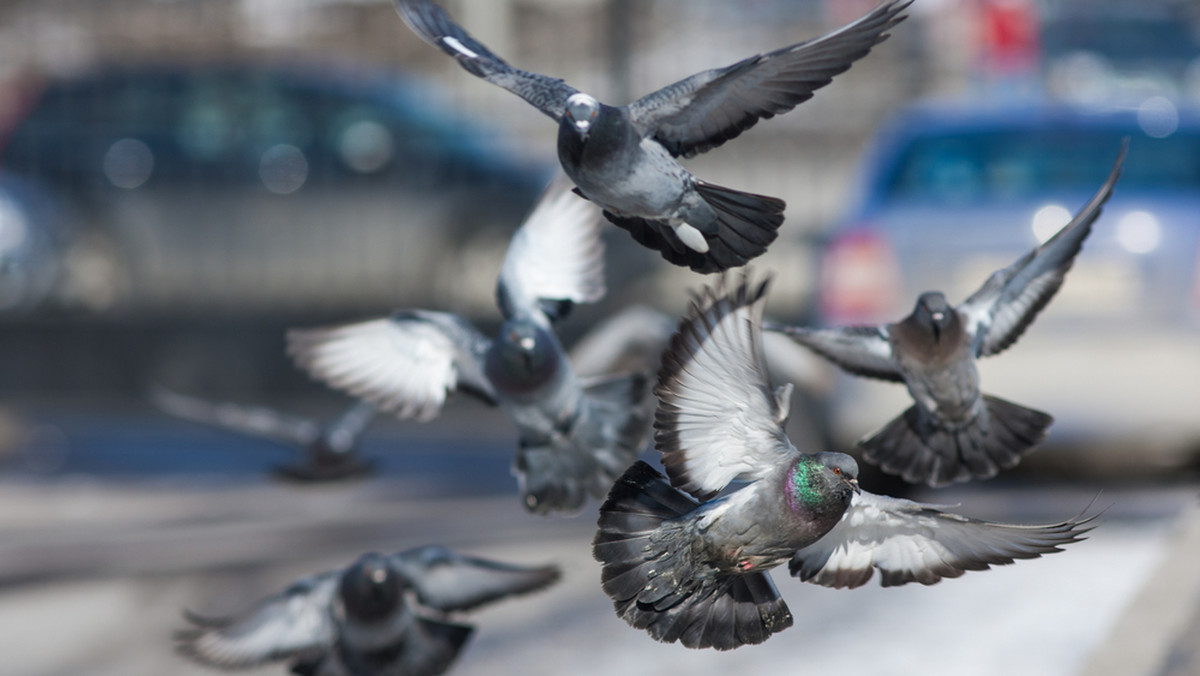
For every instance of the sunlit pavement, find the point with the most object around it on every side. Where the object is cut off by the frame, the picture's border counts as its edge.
(97, 574)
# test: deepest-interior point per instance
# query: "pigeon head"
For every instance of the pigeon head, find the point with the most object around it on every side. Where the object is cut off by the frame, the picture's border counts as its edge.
(934, 313)
(371, 589)
(821, 485)
(581, 112)
(522, 358)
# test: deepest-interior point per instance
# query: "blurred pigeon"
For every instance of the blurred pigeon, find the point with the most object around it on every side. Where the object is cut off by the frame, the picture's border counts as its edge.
(328, 451)
(624, 158)
(954, 433)
(382, 615)
(576, 435)
(689, 566)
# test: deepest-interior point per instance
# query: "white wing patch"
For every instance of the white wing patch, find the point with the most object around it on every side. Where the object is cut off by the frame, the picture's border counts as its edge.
(459, 47)
(406, 367)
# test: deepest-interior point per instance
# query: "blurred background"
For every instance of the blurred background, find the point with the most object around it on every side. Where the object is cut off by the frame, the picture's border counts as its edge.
(182, 180)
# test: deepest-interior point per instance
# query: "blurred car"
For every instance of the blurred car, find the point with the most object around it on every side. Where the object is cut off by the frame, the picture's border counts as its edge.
(258, 189)
(33, 237)
(949, 193)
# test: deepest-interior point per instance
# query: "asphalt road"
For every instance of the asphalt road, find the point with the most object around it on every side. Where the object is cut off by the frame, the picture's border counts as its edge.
(95, 567)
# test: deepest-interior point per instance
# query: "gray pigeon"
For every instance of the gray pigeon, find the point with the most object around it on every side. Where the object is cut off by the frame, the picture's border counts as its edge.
(576, 435)
(328, 451)
(689, 566)
(624, 158)
(382, 616)
(953, 432)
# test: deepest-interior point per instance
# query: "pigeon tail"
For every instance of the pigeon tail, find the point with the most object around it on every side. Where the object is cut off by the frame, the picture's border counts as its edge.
(428, 648)
(659, 583)
(919, 450)
(604, 440)
(746, 224)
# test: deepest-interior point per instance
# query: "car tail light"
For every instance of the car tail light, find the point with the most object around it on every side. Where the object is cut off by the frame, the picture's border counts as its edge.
(859, 278)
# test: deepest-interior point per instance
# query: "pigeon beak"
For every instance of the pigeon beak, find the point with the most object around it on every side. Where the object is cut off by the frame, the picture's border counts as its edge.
(854, 484)
(583, 126)
(526, 343)
(938, 316)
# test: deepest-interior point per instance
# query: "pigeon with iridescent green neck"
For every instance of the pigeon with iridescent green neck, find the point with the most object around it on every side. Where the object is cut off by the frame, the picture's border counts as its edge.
(625, 158)
(687, 560)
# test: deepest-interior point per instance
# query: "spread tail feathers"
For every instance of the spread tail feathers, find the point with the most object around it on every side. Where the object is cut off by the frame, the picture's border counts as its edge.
(657, 583)
(746, 224)
(915, 447)
(605, 439)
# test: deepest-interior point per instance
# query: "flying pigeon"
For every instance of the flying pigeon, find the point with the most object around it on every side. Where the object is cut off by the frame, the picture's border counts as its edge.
(952, 432)
(687, 560)
(328, 451)
(576, 435)
(394, 614)
(625, 158)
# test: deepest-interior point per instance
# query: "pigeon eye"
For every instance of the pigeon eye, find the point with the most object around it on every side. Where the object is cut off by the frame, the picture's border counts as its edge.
(837, 470)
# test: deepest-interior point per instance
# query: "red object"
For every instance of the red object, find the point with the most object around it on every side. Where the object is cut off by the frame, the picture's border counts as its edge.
(860, 279)
(1008, 35)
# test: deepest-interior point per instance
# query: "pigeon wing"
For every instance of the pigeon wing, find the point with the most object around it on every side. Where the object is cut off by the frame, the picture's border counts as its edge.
(297, 623)
(248, 420)
(861, 350)
(448, 581)
(912, 542)
(1000, 311)
(707, 109)
(351, 424)
(718, 418)
(434, 25)
(406, 363)
(556, 257)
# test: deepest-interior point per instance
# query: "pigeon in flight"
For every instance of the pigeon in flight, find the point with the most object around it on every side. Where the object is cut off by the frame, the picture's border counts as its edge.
(328, 451)
(394, 614)
(687, 560)
(625, 158)
(952, 432)
(576, 435)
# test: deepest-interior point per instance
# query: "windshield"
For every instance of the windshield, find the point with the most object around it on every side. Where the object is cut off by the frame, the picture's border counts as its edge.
(1018, 164)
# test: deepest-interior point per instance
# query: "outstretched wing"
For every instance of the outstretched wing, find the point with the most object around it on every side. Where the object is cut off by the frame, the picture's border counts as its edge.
(556, 257)
(709, 108)
(345, 430)
(717, 418)
(1000, 311)
(861, 350)
(911, 542)
(297, 623)
(406, 363)
(434, 26)
(250, 420)
(449, 581)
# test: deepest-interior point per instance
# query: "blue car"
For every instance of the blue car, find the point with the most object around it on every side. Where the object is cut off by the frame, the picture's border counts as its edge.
(949, 193)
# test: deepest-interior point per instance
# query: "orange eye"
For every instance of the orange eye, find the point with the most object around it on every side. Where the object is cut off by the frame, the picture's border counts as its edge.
(837, 470)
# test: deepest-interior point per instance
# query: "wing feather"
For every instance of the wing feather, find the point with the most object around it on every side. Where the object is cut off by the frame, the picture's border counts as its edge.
(449, 581)
(861, 350)
(912, 542)
(297, 623)
(249, 420)
(1000, 311)
(556, 255)
(707, 109)
(718, 418)
(434, 25)
(406, 363)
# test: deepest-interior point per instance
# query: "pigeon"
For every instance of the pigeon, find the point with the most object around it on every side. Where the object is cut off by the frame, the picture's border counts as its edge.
(576, 435)
(383, 615)
(328, 452)
(625, 158)
(687, 559)
(953, 432)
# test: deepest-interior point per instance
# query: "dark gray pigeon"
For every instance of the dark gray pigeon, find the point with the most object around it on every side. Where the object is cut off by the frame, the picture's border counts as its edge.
(328, 451)
(624, 158)
(576, 435)
(689, 566)
(382, 616)
(953, 432)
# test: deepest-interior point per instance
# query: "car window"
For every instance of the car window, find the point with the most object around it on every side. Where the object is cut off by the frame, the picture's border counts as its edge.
(994, 165)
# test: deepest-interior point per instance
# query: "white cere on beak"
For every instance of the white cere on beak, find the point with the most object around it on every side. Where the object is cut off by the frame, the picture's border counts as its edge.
(691, 237)
(582, 110)
(459, 47)
(938, 316)
(526, 343)
(378, 575)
